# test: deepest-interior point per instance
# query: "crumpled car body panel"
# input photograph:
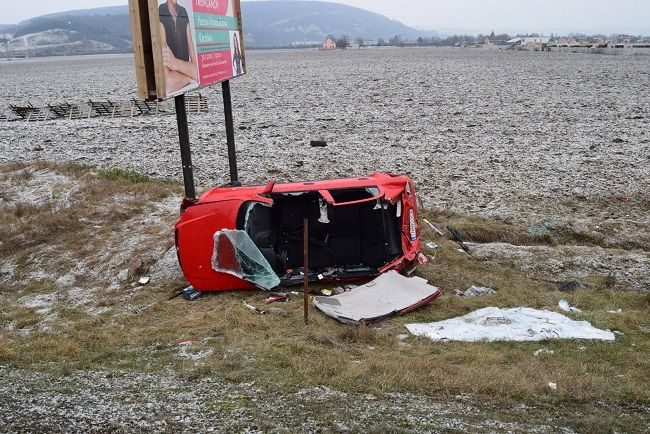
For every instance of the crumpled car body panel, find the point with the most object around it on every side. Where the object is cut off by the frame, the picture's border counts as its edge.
(220, 208)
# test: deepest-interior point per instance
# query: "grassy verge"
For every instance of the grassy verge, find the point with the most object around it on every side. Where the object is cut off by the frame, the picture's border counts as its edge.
(137, 328)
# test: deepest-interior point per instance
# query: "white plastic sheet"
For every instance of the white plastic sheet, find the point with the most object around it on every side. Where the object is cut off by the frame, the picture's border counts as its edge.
(515, 324)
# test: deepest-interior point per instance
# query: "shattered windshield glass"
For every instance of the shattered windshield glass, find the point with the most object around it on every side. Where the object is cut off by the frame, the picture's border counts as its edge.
(236, 254)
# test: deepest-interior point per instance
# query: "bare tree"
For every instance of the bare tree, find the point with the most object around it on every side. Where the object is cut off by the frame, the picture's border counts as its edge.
(342, 42)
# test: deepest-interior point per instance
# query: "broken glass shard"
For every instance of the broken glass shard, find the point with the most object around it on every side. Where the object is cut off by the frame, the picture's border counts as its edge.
(236, 254)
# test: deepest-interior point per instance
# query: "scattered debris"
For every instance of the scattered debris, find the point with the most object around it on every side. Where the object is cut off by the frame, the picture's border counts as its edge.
(431, 245)
(515, 324)
(253, 308)
(615, 311)
(476, 291)
(433, 227)
(191, 294)
(280, 297)
(456, 236)
(553, 386)
(388, 295)
(569, 285)
(144, 280)
(565, 285)
(565, 306)
(317, 143)
(543, 351)
(326, 292)
(344, 288)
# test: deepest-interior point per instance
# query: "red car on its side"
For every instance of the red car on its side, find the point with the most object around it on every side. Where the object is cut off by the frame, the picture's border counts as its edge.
(358, 227)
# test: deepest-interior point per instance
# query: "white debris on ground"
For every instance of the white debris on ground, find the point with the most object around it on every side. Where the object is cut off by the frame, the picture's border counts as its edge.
(477, 291)
(515, 324)
(565, 306)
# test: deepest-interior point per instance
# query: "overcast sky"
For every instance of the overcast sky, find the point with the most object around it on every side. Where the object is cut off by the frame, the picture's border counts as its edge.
(474, 16)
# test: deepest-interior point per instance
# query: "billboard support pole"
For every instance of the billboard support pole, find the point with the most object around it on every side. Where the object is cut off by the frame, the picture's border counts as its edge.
(186, 154)
(230, 133)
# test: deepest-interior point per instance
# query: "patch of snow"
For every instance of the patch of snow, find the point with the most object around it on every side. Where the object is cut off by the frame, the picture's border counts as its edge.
(186, 352)
(45, 186)
(39, 301)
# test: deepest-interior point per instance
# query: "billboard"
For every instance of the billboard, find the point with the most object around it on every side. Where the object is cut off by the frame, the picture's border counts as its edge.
(182, 45)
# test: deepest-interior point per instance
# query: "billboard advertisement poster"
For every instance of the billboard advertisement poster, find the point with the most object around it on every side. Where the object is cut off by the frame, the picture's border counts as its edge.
(193, 43)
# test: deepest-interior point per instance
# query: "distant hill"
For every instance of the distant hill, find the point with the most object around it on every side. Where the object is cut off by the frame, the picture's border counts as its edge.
(63, 34)
(10, 28)
(274, 23)
(266, 24)
(107, 10)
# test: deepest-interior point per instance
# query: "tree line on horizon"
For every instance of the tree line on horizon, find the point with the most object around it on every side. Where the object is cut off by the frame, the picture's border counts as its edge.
(456, 40)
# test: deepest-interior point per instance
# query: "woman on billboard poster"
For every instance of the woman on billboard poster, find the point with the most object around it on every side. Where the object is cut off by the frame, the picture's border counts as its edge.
(236, 55)
(178, 53)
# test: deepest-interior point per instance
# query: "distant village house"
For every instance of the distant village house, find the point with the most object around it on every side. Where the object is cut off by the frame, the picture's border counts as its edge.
(329, 44)
(495, 41)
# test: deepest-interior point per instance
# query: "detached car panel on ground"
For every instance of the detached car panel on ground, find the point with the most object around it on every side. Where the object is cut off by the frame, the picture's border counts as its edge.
(358, 227)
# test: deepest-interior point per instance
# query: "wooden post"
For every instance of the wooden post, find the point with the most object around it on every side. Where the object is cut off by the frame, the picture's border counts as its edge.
(305, 290)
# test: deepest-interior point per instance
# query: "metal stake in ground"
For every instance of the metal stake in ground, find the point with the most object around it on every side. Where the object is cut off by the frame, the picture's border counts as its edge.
(305, 269)
(186, 154)
(230, 133)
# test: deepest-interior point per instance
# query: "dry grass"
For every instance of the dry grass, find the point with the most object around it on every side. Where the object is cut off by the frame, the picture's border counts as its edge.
(27, 225)
(478, 230)
(140, 328)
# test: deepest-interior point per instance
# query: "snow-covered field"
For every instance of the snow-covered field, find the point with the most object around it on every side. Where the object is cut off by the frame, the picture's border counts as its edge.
(553, 142)
(514, 136)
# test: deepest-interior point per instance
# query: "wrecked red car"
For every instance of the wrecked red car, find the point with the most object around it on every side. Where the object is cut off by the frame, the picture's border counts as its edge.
(358, 227)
